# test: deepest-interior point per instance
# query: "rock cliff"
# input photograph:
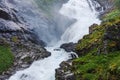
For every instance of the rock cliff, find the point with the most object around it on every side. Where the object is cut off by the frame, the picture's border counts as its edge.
(19, 45)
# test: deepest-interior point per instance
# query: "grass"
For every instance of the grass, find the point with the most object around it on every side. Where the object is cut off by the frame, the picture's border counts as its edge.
(111, 16)
(95, 67)
(6, 58)
(91, 40)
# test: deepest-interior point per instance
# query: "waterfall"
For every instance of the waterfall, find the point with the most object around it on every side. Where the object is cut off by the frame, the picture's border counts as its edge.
(45, 69)
(85, 16)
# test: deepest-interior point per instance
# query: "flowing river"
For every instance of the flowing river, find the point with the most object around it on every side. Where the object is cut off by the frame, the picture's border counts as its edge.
(85, 14)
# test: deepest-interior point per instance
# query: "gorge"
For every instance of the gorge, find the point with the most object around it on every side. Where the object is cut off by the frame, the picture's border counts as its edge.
(59, 40)
(84, 15)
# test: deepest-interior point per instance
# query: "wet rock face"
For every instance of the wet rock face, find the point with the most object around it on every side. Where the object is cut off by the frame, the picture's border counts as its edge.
(106, 4)
(64, 72)
(8, 18)
(12, 22)
(68, 46)
(25, 51)
(103, 6)
(8, 13)
(4, 15)
(24, 43)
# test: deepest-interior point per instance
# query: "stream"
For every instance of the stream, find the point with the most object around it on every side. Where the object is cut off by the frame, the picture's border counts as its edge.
(85, 15)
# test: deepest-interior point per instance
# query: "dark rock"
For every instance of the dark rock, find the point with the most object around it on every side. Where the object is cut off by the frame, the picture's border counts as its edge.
(74, 56)
(7, 13)
(112, 37)
(24, 52)
(57, 49)
(34, 38)
(24, 42)
(106, 6)
(4, 15)
(91, 28)
(64, 72)
(68, 46)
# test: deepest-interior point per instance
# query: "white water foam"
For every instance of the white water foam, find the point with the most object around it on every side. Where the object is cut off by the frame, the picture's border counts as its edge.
(85, 16)
(45, 69)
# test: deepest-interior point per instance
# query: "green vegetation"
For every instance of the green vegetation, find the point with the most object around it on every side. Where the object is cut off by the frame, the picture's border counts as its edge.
(6, 58)
(99, 60)
(94, 63)
(15, 39)
(89, 41)
(98, 67)
(113, 15)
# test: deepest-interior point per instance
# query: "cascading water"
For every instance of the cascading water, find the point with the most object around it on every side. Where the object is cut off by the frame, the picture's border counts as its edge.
(85, 16)
(45, 69)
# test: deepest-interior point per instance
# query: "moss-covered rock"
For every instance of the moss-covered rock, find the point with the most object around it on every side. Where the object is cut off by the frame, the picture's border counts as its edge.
(103, 37)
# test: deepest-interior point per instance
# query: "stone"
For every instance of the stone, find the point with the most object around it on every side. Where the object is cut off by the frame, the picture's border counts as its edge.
(24, 43)
(69, 47)
(91, 28)
(64, 72)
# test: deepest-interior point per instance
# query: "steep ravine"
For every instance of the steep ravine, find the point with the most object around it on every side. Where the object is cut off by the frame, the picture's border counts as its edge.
(26, 27)
(20, 41)
(79, 11)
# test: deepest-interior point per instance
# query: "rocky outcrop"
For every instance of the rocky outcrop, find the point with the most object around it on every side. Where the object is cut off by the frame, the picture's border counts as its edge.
(24, 51)
(23, 46)
(112, 37)
(91, 28)
(64, 72)
(106, 4)
(69, 47)
(23, 42)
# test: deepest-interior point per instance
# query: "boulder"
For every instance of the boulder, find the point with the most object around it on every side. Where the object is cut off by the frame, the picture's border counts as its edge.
(64, 72)
(69, 47)
(91, 28)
